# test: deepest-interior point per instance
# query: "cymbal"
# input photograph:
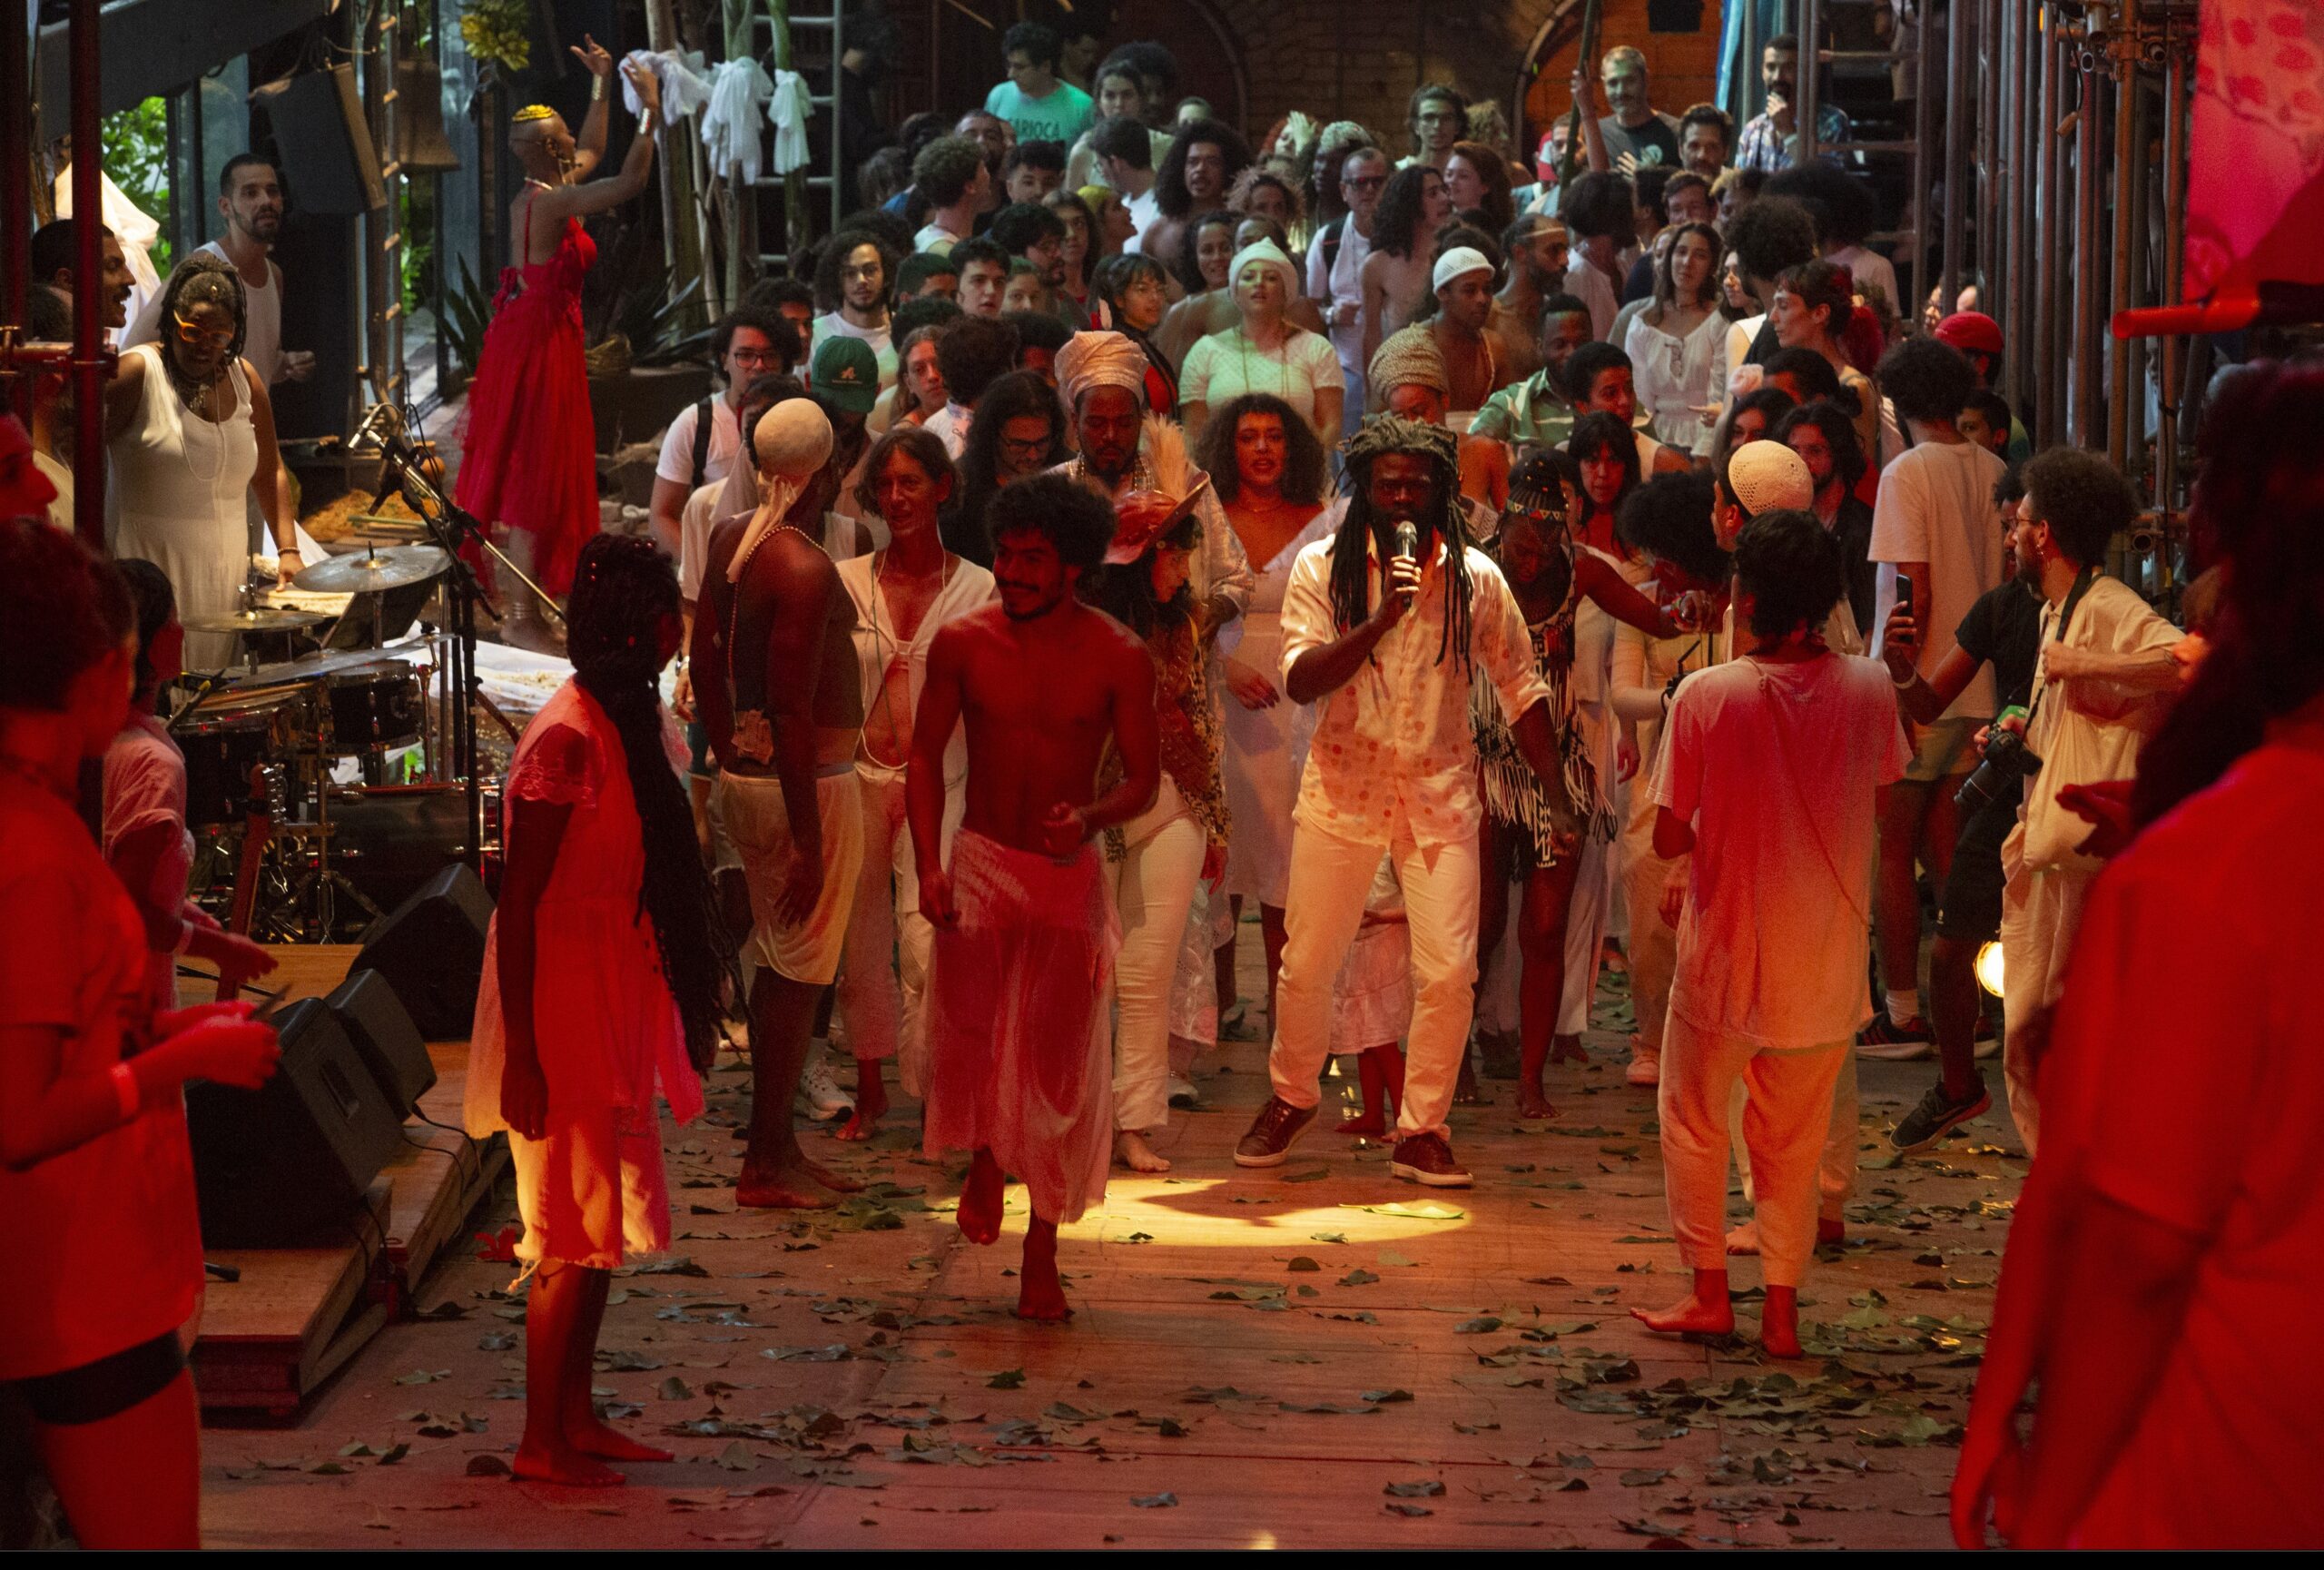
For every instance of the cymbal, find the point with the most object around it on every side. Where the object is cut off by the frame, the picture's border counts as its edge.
(368, 572)
(268, 620)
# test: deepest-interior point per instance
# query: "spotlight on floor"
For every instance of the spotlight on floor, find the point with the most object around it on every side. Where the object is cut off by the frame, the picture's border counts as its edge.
(1989, 968)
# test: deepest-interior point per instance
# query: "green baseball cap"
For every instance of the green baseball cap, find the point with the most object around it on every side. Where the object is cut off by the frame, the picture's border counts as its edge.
(846, 368)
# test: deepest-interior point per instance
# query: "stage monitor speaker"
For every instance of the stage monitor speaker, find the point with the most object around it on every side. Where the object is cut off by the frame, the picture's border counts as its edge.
(430, 949)
(384, 1037)
(273, 1164)
(329, 165)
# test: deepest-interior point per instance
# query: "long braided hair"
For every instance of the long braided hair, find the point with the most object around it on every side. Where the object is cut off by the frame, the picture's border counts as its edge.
(622, 587)
(1351, 581)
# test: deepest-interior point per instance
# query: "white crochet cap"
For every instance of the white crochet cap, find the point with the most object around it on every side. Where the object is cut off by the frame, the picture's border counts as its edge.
(1765, 476)
(794, 438)
(1460, 258)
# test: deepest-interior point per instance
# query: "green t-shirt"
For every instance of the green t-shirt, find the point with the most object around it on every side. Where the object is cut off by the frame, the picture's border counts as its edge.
(1061, 117)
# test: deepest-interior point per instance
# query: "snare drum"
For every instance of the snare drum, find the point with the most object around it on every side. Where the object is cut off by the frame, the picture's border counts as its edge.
(220, 751)
(373, 707)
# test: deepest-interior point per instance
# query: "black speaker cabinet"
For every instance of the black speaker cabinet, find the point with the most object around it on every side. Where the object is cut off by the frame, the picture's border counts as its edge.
(384, 1037)
(272, 1165)
(430, 949)
(329, 162)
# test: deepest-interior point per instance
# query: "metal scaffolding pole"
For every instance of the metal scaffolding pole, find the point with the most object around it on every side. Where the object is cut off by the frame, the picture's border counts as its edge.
(2174, 218)
(1924, 86)
(2050, 320)
(2089, 195)
(89, 356)
(2121, 47)
(2022, 100)
(1957, 129)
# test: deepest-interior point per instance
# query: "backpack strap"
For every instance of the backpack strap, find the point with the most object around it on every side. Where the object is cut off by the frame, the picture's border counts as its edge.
(1333, 233)
(704, 414)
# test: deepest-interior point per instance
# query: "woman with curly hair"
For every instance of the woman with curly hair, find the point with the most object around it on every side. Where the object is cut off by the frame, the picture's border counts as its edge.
(1159, 856)
(1205, 257)
(190, 432)
(1260, 192)
(1477, 178)
(1814, 303)
(603, 973)
(1395, 276)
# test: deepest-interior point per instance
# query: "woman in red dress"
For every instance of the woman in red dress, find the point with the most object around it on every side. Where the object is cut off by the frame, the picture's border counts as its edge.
(528, 449)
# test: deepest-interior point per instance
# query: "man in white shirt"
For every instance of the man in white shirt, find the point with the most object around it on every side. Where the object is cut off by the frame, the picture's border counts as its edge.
(951, 172)
(249, 200)
(1125, 153)
(1389, 646)
(1933, 523)
(1599, 214)
(2105, 661)
(749, 343)
(1335, 270)
(1770, 768)
(852, 282)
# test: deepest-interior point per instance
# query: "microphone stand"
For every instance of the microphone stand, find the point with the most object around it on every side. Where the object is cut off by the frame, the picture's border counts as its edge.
(452, 527)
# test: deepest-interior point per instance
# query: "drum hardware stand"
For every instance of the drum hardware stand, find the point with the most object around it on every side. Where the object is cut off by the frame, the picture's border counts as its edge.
(452, 527)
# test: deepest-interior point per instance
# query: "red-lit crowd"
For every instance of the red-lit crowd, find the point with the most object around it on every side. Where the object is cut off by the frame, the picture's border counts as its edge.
(1113, 534)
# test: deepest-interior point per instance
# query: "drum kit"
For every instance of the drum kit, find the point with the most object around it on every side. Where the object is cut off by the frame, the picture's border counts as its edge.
(327, 784)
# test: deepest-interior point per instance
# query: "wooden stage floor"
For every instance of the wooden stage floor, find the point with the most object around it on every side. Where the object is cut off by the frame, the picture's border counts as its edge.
(1257, 1361)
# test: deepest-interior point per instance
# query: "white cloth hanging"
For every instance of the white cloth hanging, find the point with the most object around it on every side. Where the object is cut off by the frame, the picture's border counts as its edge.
(738, 94)
(684, 88)
(789, 110)
(131, 226)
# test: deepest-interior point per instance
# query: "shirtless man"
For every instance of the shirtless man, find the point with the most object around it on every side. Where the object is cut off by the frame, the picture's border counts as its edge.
(1019, 1069)
(773, 664)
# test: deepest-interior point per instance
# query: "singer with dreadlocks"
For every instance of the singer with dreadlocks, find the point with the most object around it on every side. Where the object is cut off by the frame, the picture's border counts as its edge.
(528, 449)
(600, 991)
(1386, 625)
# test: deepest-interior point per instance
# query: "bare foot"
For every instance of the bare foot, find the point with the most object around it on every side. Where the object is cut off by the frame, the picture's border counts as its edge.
(870, 1101)
(767, 1186)
(835, 1181)
(979, 1211)
(1744, 1238)
(1465, 1092)
(567, 1468)
(1364, 1125)
(1131, 1150)
(1533, 1101)
(1042, 1296)
(1568, 1049)
(1689, 1316)
(1705, 1311)
(1779, 1322)
(595, 1438)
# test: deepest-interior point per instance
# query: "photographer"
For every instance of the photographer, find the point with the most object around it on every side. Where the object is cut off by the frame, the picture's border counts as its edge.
(2003, 628)
(2105, 661)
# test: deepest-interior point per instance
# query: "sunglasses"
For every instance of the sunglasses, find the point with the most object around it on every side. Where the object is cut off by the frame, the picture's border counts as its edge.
(194, 336)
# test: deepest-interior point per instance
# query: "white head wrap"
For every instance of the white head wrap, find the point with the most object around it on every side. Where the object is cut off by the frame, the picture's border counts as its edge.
(1095, 359)
(794, 440)
(1268, 253)
(1460, 258)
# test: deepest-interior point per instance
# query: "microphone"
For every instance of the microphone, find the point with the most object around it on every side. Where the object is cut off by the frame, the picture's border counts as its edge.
(1407, 538)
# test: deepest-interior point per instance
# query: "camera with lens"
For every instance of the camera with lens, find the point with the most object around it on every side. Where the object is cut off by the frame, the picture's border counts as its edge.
(2007, 760)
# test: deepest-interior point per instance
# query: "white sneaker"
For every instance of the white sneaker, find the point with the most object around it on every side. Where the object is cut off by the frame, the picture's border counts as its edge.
(1646, 1065)
(1183, 1093)
(819, 1093)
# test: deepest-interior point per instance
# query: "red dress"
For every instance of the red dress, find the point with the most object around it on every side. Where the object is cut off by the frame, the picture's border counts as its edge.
(528, 456)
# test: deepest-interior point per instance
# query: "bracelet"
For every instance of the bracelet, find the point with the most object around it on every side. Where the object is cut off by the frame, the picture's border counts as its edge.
(185, 937)
(1907, 684)
(596, 89)
(125, 1091)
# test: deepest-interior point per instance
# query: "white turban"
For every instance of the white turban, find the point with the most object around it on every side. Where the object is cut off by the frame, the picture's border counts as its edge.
(1098, 359)
(1460, 258)
(794, 440)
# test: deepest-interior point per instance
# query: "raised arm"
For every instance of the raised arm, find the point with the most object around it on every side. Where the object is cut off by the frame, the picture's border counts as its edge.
(590, 149)
(1617, 598)
(576, 201)
(1325, 667)
(1924, 700)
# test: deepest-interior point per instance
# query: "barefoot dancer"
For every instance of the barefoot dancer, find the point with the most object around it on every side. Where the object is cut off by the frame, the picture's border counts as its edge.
(1017, 1066)
(600, 991)
(1767, 772)
(1551, 578)
(1393, 770)
(775, 685)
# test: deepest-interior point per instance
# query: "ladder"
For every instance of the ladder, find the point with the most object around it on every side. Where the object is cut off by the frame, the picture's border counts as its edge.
(815, 41)
(1913, 149)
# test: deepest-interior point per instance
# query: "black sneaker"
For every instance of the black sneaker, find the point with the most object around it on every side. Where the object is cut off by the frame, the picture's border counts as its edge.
(1937, 1116)
(1273, 1132)
(1884, 1038)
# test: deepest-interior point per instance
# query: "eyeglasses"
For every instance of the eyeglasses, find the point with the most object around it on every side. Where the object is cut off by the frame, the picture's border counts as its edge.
(1366, 182)
(754, 357)
(1034, 449)
(194, 337)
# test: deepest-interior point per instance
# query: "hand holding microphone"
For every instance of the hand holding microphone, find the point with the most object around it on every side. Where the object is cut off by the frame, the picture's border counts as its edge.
(1401, 577)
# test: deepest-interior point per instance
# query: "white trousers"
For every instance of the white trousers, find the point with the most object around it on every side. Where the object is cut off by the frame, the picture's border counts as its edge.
(2040, 913)
(1653, 952)
(1835, 1168)
(885, 967)
(1784, 1125)
(1331, 879)
(1154, 889)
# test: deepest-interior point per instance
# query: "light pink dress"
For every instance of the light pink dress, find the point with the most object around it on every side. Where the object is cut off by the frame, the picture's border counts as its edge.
(607, 1025)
